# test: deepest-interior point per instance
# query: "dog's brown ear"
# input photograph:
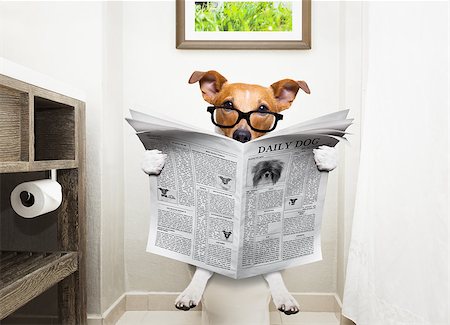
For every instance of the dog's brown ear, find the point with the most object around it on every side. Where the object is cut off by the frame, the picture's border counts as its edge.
(211, 83)
(285, 91)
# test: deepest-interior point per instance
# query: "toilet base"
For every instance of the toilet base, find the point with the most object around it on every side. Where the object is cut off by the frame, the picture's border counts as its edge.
(228, 301)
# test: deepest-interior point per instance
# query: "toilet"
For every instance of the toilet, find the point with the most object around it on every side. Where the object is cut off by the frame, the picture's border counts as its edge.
(227, 301)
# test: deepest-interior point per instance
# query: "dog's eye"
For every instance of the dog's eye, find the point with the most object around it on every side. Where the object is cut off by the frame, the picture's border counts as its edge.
(263, 109)
(227, 104)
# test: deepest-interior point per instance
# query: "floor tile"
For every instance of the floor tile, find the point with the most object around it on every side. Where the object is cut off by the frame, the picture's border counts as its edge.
(275, 318)
(309, 318)
(132, 318)
(173, 318)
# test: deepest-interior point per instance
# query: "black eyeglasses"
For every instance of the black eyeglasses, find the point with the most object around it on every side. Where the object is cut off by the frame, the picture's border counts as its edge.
(259, 121)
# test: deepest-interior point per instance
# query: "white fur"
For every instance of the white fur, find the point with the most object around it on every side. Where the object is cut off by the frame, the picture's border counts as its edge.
(326, 160)
(153, 162)
(193, 293)
(281, 297)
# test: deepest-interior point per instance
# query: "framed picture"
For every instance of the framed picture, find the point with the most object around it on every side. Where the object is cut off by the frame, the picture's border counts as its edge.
(247, 24)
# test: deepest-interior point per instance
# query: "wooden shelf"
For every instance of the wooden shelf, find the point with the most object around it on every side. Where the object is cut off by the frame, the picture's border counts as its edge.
(41, 130)
(14, 166)
(36, 166)
(25, 275)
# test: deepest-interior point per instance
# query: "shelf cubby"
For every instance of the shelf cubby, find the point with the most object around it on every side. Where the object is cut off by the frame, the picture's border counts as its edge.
(14, 123)
(54, 130)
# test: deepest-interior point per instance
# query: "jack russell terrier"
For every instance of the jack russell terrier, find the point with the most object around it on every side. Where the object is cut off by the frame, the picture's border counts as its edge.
(244, 112)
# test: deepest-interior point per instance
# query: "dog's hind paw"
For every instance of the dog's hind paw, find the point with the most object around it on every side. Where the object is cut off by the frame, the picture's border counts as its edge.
(325, 158)
(188, 299)
(285, 302)
(153, 162)
(281, 297)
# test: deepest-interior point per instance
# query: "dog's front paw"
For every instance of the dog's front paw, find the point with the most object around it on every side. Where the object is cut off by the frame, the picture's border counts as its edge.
(189, 298)
(153, 162)
(285, 302)
(325, 158)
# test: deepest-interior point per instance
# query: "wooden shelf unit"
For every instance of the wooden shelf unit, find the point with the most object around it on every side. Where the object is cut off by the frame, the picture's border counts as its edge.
(41, 130)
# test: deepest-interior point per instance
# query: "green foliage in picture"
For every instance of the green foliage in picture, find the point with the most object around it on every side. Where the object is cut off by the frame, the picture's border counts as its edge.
(243, 16)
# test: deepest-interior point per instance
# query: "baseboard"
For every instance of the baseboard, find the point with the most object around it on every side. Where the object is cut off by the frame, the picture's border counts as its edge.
(346, 321)
(164, 301)
(111, 315)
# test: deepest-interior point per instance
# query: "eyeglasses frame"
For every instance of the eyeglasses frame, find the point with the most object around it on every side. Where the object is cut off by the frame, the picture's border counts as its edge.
(246, 116)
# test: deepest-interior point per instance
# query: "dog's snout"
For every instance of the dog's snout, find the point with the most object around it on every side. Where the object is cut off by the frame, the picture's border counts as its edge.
(242, 135)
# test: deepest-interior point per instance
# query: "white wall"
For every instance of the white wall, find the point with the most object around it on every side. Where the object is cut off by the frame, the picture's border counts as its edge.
(69, 42)
(155, 77)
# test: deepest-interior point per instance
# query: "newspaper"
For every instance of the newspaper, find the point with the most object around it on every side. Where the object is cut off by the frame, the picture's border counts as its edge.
(238, 209)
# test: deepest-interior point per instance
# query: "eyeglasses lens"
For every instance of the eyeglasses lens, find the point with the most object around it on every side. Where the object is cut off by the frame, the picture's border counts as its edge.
(262, 121)
(225, 117)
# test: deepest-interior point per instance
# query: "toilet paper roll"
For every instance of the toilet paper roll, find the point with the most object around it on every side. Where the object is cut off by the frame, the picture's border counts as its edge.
(32, 199)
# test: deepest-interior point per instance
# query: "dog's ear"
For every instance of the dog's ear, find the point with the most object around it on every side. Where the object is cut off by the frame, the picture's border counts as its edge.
(211, 83)
(285, 91)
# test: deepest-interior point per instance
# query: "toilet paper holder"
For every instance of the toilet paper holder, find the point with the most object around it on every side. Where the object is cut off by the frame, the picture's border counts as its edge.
(53, 174)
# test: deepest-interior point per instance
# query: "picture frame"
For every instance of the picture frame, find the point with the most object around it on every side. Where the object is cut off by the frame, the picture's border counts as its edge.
(298, 38)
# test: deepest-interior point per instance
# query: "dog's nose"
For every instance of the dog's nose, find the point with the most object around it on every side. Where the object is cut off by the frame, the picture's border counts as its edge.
(242, 135)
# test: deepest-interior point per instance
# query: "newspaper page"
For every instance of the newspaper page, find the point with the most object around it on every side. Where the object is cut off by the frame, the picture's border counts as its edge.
(196, 200)
(282, 206)
(238, 209)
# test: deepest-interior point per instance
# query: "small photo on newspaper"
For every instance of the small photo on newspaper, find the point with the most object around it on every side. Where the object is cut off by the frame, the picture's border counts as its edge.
(238, 209)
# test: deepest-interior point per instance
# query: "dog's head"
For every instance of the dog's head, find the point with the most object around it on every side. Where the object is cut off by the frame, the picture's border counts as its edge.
(226, 234)
(225, 180)
(163, 191)
(267, 171)
(245, 97)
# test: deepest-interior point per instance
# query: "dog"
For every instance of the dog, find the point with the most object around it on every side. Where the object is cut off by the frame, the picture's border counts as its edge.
(246, 98)
(292, 201)
(224, 183)
(163, 191)
(267, 172)
(226, 234)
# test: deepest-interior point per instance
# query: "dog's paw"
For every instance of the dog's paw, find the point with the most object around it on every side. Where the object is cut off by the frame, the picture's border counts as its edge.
(153, 162)
(285, 302)
(189, 298)
(281, 297)
(325, 158)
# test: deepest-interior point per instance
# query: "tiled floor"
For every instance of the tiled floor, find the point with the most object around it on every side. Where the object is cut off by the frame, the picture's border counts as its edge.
(194, 318)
